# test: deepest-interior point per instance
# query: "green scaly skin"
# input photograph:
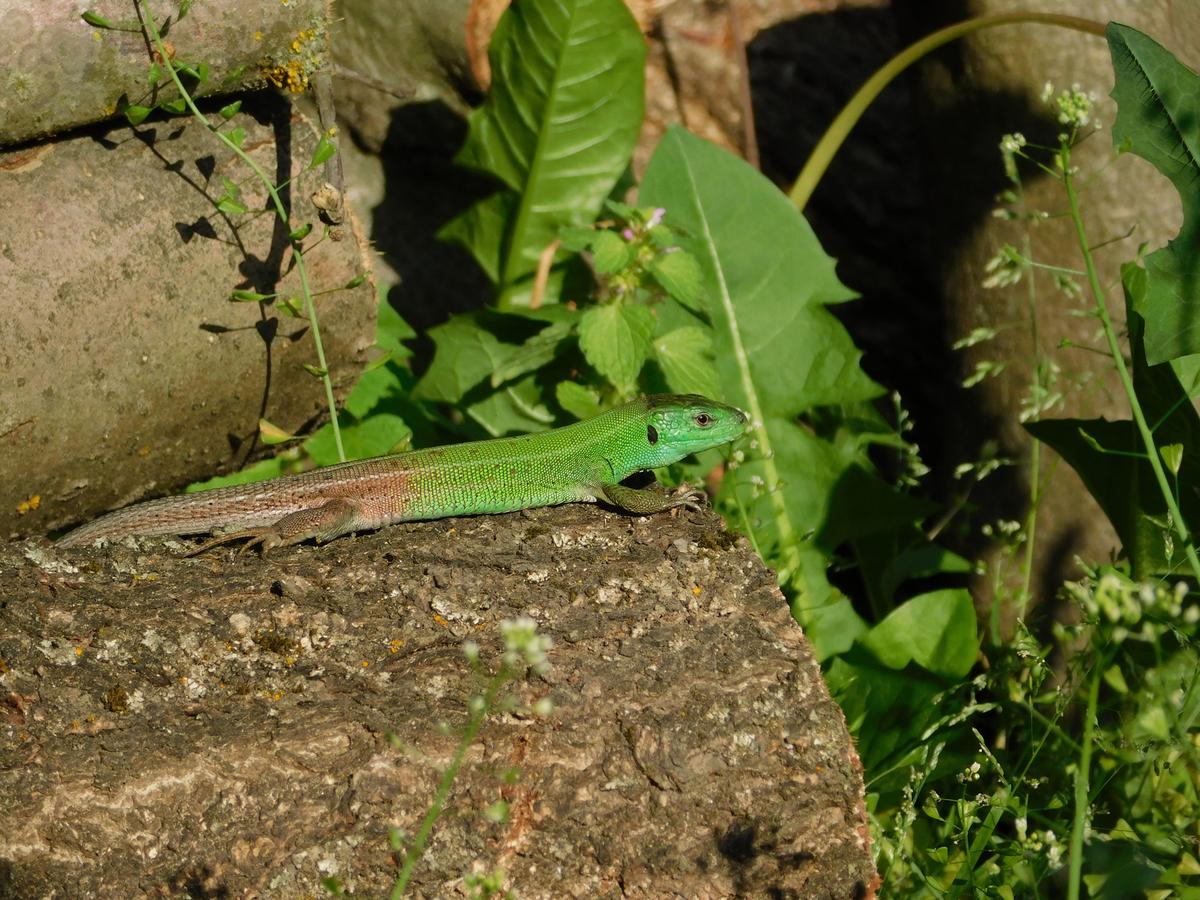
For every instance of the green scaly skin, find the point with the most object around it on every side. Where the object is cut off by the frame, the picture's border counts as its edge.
(584, 462)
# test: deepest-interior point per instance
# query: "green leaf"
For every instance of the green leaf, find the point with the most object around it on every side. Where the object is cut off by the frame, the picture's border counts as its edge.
(391, 331)
(557, 129)
(937, 631)
(155, 74)
(184, 7)
(466, 354)
(270, 433)
(236, 136)
(581, 402)
(685, 356)
(536, 352)
(1172, 455)
(230, 207)
(202, 72)
(95, 19)
(517, 408)
(615, 338)
(299, 234)
(136, 115)
(778, 351)
(242, 296)
(610, 252)
(322, 152)
(1156, 118)
(354, 282)
(229, 110)
(382, 432)
(679, 275)
(176, 107)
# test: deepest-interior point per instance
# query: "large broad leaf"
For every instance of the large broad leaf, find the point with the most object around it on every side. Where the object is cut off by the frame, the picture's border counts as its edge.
(1158, 119)
(935, 630)
(778, 352)
(558, 127)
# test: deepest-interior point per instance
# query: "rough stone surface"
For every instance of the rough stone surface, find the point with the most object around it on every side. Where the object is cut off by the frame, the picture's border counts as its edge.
(126, 370)
(57, 72)
(217, 726)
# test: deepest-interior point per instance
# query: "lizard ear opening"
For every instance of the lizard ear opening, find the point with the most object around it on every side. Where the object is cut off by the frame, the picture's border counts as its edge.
(652, 435)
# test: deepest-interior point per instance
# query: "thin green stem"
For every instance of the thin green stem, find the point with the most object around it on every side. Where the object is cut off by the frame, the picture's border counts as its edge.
(415, 850)
(280, 210)
(1152, 457)
(1082, 779)
(823, 154)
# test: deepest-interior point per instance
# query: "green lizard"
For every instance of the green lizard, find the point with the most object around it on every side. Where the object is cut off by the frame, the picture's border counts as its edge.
(584, 462)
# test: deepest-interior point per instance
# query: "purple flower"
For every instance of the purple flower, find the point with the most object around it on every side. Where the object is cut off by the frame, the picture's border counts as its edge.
(627, 234)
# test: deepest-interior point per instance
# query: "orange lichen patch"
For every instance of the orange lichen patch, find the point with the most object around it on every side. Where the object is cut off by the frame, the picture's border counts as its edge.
(29, 505)
(365, 663)
(395, 644)
(294, 73)
(441, 620)
(697, 591)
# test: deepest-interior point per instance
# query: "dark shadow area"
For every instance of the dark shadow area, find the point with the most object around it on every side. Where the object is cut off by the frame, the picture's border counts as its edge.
(913, 181)
(425, 190)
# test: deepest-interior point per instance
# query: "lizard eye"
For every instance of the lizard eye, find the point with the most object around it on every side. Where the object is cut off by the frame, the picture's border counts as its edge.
(703, 420)
(652, 435)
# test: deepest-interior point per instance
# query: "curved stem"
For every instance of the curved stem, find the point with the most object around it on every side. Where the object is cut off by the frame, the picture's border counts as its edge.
(822, 154)
(280, 210)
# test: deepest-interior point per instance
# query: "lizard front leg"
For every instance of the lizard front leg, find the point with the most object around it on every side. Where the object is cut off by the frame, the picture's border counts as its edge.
(321, 523)
(645, 501)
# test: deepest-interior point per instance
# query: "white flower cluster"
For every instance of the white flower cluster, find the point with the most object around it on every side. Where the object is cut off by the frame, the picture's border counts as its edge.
(522, 643)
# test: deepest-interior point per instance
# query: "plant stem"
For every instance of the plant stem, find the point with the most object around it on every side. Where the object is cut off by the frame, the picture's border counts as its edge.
(417, 848)
(1082, 779)
(1114, 349)
(280, 210)
(823, 154)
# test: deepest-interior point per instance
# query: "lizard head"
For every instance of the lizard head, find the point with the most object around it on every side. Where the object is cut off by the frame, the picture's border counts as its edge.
(681, 424)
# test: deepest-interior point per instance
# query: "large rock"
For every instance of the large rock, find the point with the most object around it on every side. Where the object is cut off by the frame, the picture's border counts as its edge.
(219, 725)
(125, 369)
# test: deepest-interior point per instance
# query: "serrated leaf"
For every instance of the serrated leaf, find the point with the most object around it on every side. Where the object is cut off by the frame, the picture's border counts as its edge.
(230, 207)
(581, 402)
(557, 129)
(322, 152)
(136, 115)
(517, 408)
(229, 110)
(610, 252)
(391, 331)
(680, 276)
(1156, 119)
(685, 356)
(270, 433)
(616, 339)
